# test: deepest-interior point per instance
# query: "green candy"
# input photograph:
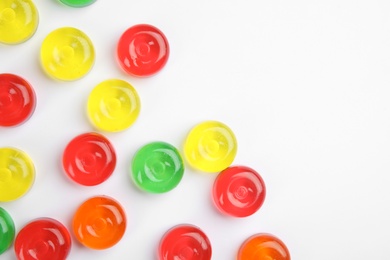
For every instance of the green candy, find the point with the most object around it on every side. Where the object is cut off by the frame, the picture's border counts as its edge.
(78, 3)
(7, 230)
(157, 167)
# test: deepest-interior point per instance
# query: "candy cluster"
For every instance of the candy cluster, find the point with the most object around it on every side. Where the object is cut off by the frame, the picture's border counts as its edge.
(89, 159)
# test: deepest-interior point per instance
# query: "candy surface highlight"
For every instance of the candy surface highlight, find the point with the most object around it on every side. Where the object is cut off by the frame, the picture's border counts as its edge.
(67, 54)
(157, 167)
(185, 242)
(263, 246)
(17, 100)
(99, 223)
(142, 50)
(43, 239)
(113, 105)
(17, 174)
(18, 21)
(78, 3)
(89, 159)
(210, 146)
(7, 230)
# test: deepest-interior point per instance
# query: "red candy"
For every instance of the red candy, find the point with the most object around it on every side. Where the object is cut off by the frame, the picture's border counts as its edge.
(143, 50)
(89, 159)
(17, 100)
(43, 239)
(184, 242)
(239, 191)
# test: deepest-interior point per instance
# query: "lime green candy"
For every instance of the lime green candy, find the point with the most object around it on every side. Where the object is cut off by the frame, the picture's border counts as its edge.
(78, 3)
(157, 167)
(7, 230)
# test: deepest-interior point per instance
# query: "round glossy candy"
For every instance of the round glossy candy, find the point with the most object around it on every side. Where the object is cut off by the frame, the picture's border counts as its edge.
(18, 21)
(185, 242)
(17, 100)
(157, 167)
(210, 146)
(239, 191)
(7, 230)
(17, 173)
(113, 105)
(43, 239)
(263, 246)
(67, 54)
(78, 3)
(143, 50)
(89, 159)
(99, 223)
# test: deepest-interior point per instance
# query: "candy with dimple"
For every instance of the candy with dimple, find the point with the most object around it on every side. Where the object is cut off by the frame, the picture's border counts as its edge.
(185, 242)
(263, 246)
(17, 173)
(239, 191)
(113, 105)
(67, 54)
(7, 230)
(43, 239)
(157, 167)
(17, 100)
(78, 3)
(142, 50)
(99, 223)
(18, 21)
(210, 146)
(89, 159)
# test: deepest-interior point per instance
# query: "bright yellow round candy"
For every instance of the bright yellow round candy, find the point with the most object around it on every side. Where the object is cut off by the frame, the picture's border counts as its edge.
(18, 21)
(113, 105)
(67, 54)
(210, 146)
(17, 173)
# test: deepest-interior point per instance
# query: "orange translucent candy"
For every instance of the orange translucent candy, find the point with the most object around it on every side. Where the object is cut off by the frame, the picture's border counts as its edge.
(99, 223)
(263, 246)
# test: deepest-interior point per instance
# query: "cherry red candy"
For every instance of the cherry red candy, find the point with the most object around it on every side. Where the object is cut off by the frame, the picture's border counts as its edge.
(239, 191)
(143, 50)
(17, 100)
(89, 159)
(185, 242)
(43, 239)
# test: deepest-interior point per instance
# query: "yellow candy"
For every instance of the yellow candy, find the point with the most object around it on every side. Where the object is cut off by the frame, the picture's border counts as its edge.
(210, 146)
(18, 21)
(113, 105)
(17, 174)
(67, 54)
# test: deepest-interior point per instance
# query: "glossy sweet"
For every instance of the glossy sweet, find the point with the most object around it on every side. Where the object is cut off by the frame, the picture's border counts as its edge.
(17, 100)
(239, 191)
(89, 159)
(184, 242)
(43, 239)
(78, 3)
(17, 174)
(18, 21)
(263, 246)
(7, 230)
(67, 54)
(210, 146)
(157, 167)
(142, 50)
(99, 223)
(113, 105)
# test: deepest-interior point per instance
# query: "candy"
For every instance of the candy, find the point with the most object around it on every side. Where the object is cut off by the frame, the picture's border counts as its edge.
(157, 167)
(67, 54)
(18, 21)
(7, 230)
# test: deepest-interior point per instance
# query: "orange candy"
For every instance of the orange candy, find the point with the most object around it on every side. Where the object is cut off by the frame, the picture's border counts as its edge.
(99, 223)
(263, 246)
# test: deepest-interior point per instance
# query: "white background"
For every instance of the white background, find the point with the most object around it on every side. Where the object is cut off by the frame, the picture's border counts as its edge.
(304, 85)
